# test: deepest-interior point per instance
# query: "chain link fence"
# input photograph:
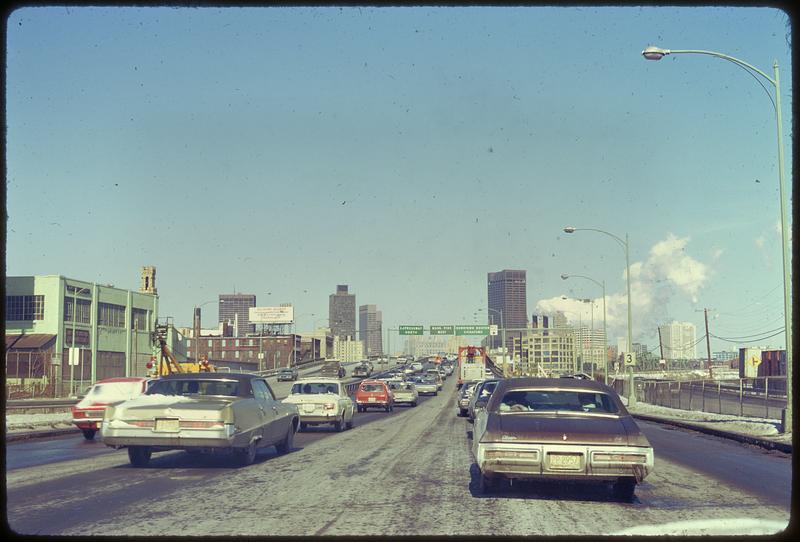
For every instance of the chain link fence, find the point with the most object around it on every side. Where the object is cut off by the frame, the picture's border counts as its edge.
(763, 397)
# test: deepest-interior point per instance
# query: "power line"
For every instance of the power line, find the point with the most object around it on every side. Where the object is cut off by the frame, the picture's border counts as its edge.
(760, 339)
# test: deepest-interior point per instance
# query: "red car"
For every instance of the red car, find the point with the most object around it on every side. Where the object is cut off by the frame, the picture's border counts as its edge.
(374, 393)
(88, 413)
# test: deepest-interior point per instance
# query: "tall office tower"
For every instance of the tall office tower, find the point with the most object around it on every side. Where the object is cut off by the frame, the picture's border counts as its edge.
(342, 313)
(678, 340)
(371, 327)
(234, 309)
(507, 296)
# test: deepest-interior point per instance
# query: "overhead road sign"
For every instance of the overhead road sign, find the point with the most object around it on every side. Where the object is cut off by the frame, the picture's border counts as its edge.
(442, 330)
(472, 330)
(410, 330)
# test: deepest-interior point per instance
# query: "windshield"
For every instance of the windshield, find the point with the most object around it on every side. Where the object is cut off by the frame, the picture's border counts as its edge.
(549, 400)
(228, 388)
(314, 388)
(371, 387)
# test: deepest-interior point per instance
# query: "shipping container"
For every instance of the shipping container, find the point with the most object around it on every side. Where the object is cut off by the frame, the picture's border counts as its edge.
(749, 361)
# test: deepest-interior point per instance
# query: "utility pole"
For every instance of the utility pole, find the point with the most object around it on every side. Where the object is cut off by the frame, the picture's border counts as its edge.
(661, 346)
(708, 344)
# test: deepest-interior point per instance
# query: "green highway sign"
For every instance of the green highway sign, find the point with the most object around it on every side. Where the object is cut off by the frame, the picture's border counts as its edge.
(472, 330)
(442, 330)
(410, 330)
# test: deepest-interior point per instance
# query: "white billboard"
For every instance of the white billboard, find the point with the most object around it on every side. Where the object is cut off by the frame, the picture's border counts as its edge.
(271, 315)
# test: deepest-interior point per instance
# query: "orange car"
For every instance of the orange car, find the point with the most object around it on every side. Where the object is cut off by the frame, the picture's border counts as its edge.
(88, 413)
(374, 393)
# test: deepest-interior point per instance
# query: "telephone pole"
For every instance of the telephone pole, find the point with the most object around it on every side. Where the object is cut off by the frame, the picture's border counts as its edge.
(708, 344)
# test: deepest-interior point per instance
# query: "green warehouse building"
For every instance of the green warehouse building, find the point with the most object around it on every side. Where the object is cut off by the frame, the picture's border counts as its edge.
(64, 334)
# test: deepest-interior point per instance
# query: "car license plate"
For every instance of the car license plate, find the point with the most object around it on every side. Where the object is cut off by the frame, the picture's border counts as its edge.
(308, 408)
(565, 461)
(167, 424)
(371, 399)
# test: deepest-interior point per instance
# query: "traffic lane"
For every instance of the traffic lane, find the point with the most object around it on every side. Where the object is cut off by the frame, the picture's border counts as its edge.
(45, 451)
(768, 474)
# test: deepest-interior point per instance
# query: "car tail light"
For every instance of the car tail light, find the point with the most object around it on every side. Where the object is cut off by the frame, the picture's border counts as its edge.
(201, 424)
(330, 406)
(140, 423)
(620, 457)
(499, 454)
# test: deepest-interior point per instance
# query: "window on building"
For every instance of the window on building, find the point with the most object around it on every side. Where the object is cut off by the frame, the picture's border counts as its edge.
(84, 315)
(237, 355)
(24, 307)
(222, 354)
(139, 319)
(209, 342)
(224, 342)
(110, 315)
(237, 342)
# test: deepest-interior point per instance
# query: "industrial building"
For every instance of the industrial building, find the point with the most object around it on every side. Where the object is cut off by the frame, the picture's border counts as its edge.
(64, 334)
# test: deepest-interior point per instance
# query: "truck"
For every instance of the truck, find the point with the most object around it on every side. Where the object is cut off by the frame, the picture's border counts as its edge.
(471, 364)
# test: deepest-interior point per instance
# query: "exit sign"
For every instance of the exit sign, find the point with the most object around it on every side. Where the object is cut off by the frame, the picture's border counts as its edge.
(472, 330)
(410, 330)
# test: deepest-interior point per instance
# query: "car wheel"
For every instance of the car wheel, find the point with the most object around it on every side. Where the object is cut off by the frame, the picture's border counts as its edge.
(139, 456)
(485, 485)
(287, 444)
(391, 407)
(388, 407)
(246, 456)
(624, 488)
(88, 434)
(462, 412)
(435, 393)
(414, 403)
(338, 426)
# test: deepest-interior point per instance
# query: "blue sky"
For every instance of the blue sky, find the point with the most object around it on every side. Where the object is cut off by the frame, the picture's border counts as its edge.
(405, 152)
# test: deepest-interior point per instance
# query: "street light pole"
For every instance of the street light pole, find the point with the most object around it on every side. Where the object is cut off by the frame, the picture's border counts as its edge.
(657, 53)
(626, 247)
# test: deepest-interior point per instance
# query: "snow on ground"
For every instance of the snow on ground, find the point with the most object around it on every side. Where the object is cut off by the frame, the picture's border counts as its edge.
(37, 421)
(735, 526)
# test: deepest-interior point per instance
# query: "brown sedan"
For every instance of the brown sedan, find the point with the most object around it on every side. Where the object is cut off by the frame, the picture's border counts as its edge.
(559, 429)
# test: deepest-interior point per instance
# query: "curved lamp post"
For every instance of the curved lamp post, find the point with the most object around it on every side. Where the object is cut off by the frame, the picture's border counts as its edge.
(657, 53)
(626, 247)
(605, 335)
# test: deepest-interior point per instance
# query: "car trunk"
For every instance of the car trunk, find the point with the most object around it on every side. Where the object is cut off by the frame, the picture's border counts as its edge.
(535, 428)
(204, 409)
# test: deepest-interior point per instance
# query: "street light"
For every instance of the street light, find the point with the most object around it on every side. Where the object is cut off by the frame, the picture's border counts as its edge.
(626, 247)
(605, 335)
(657, 53)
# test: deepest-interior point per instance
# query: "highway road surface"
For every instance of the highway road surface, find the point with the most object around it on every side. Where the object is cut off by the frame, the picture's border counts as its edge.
(408, 472)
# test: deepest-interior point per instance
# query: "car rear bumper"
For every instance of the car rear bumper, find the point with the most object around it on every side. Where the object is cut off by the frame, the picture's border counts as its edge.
(540, 461)
(87, 424)
(320, 418)
(186, 438)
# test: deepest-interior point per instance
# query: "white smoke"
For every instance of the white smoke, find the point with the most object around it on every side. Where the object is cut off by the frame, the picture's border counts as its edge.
(668, 271)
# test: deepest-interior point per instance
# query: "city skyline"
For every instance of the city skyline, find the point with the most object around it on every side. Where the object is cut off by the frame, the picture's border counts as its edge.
(449, 142)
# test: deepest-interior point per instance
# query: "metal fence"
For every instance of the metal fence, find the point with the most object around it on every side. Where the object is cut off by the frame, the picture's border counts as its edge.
(763, 397)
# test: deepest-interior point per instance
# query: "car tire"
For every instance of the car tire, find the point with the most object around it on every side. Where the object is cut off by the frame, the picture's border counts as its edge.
(462, 412)
(414, 403)
(88, 434)
(435, 393)
(139, 456)
(485, 485)
(391, 407)
(246, 456)
(287, 444)
(624, 488)
(338, 426)
(388, 407)
(349, 424)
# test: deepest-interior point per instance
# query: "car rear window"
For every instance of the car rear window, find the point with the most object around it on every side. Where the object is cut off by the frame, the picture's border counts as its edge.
(371, 387)
(229, 388)
(313, 388)
(561, 400)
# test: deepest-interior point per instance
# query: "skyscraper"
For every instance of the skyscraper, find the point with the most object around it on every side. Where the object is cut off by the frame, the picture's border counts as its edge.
(234, 308)
(342, 313)
(370, 324)
(678, 340)
(507, 295)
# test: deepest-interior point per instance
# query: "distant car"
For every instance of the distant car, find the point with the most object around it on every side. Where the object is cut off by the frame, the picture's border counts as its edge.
(232, 413)
(427, 385)
(362, 370)
(404, 392)
(87, 414)
(287, 374)
(372, 394)
(464, 395)
(480, 396)
(559, 429)
(322, 401)
(332, 369)
(434, 373)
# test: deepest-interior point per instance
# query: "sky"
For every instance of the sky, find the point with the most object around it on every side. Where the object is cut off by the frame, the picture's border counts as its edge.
(406, 152)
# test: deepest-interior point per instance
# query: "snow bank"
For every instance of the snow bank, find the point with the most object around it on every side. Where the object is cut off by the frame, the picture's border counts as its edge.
(729, 526)
(725, 422)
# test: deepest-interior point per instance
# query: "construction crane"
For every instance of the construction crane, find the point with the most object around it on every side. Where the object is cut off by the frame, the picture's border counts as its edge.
(163, 362)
